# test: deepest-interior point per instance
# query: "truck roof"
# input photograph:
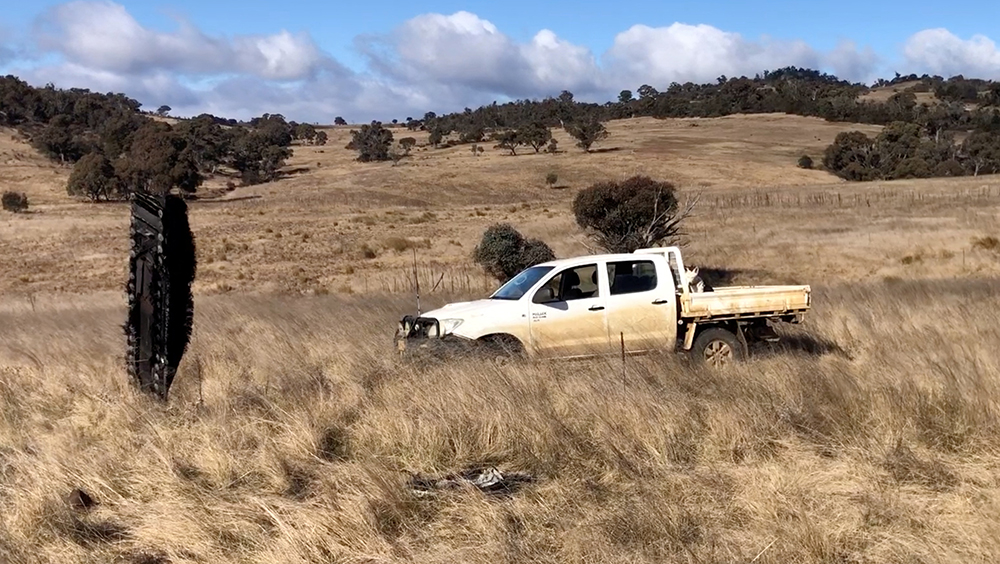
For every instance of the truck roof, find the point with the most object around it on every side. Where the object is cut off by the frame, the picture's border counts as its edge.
(586, 259)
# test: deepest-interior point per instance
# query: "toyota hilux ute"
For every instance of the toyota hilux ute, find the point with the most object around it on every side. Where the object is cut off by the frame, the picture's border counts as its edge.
(600, 304)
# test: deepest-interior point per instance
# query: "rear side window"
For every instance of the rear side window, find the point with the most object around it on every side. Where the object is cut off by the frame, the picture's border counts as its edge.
(630, 277)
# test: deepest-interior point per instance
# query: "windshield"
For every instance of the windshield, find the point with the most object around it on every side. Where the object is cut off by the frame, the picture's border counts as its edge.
(517, 286)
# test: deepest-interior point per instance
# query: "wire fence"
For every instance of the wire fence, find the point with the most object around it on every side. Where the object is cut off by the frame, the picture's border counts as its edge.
(849, 199)
(429, 279)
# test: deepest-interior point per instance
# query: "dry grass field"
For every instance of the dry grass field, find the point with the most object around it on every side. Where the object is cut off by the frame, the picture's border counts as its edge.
(885, 92)
(871, 434)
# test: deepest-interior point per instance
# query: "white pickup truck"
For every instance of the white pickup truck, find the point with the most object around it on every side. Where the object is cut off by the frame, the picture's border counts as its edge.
(595, 305)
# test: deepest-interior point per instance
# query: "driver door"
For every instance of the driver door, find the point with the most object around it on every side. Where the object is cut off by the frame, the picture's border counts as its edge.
(568, 316)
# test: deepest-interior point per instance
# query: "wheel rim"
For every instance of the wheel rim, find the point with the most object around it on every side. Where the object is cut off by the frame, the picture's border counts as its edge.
(718, 354)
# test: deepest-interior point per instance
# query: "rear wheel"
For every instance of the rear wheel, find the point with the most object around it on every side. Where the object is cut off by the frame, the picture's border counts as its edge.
(717, 348)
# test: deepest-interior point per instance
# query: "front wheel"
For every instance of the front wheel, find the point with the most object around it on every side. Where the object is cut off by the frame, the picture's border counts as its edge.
(502, 350)
(716, 348)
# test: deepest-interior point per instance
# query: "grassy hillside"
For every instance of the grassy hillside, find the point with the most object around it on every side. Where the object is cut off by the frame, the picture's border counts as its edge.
(870, 435)
(308, 231)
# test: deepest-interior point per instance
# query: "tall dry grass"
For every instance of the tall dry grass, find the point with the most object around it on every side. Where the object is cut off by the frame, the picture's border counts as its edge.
(870, 436)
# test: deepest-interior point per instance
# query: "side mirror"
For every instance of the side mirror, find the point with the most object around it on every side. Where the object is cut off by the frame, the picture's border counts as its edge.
(544, 295)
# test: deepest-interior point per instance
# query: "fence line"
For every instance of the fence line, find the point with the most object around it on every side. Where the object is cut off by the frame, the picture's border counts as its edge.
(432, 278)
(769, 199)
(435, 278)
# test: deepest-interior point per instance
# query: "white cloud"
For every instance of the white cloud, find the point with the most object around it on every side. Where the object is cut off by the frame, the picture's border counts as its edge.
(103, 35)
(460, 47)
(461, 52)
(939, 51)
(558, 65)
(100, 46)
(697, 53)
(431, 62)
(850, 63)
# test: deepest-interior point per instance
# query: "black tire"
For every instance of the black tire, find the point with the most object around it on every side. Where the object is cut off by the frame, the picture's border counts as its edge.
(502, 350)
(161, 307)
(717, 348)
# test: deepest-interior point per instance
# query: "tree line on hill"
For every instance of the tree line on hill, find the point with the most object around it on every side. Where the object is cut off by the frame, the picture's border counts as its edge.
(116, 149)
(789, 90)
(376, 142)
(920, 139)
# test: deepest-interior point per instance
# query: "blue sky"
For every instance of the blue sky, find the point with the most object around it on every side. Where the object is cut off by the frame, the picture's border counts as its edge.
(314, 60)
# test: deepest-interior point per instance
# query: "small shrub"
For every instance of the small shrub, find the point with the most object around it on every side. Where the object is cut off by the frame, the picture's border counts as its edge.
(989, 243)
(504, 252)
(396, 154)
(424, 217)
(15, 202)
(551, 179)
(635, 213)
(400, 244)
(805, 161)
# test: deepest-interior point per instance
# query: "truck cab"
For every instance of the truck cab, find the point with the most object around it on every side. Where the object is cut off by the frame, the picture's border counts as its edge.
(595, 305)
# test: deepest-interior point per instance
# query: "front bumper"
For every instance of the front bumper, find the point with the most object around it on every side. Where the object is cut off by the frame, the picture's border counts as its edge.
(419, 336)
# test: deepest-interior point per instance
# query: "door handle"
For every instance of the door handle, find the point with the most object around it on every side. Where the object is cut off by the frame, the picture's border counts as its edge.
(596, 308)
(660, 302)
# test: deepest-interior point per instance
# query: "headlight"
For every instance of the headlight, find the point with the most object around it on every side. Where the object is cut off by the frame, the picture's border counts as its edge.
(449, 325)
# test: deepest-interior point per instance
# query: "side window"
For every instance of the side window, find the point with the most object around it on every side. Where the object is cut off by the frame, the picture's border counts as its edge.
(571, 284)
(630, 277)
(549, 292)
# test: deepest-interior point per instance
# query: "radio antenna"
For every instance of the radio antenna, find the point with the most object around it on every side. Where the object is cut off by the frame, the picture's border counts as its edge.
(416, 280)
